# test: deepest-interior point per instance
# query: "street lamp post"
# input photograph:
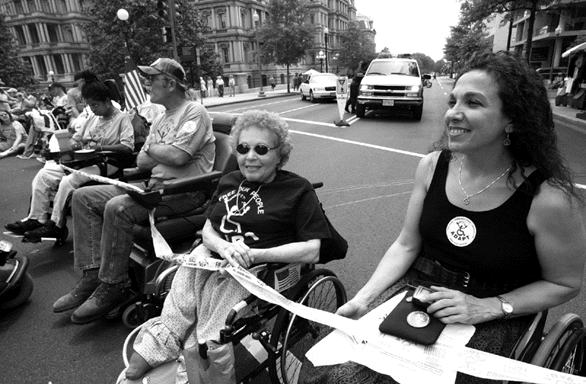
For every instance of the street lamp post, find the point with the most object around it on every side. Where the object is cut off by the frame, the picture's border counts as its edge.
(335, 58)
(256, 18)
(326, 31)
(123, 15)
(558, 31)
(320, 56)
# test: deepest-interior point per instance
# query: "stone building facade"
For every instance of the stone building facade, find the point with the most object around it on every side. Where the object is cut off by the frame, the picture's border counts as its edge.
(49, 36)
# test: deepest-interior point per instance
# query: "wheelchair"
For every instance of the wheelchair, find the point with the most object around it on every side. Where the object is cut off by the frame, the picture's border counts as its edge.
(562, 348)
(150, 276)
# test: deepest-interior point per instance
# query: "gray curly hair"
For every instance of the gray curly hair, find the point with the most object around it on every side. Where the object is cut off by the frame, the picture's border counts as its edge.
(265, 120)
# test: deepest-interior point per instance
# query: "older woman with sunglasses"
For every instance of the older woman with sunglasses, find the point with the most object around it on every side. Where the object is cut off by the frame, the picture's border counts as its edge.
(259, 214)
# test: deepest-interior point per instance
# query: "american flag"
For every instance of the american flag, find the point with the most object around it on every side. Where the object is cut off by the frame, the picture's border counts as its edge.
(133, 91)
(287, 276)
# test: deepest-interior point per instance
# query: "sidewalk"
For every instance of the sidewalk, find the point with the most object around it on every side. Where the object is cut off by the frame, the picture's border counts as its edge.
(252, 94)
(567, 116)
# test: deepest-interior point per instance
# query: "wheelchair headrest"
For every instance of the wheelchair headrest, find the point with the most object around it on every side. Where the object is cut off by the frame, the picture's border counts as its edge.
(223, 122)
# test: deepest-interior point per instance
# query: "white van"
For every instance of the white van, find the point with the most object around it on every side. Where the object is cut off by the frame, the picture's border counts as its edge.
(392, 84)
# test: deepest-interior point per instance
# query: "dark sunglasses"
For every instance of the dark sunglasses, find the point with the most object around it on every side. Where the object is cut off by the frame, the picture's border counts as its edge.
(260, 149)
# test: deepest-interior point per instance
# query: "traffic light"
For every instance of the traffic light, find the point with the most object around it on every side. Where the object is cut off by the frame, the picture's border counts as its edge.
(178, 6)
(162, 8)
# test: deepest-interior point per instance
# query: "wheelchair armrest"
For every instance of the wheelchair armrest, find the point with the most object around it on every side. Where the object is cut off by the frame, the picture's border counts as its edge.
(190, 184)
(149, 200)
(135, 174)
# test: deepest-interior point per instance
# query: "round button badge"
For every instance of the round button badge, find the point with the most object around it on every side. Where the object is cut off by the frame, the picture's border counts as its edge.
(418, 319)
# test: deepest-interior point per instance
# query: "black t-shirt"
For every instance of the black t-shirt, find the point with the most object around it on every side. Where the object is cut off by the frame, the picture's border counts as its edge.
(267, 215)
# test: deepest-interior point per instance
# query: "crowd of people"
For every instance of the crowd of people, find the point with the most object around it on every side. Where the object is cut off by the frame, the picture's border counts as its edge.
(493, 224)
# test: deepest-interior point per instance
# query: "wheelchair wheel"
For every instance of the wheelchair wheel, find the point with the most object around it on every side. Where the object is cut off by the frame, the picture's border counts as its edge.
(293, 336)
(564, 347)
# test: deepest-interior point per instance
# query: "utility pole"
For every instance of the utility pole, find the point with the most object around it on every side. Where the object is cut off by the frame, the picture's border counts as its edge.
(172, 25)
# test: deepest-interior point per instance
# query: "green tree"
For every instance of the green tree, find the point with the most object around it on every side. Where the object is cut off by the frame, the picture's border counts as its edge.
(287, 36)
(144, 32)
(14, 71)
(355, 47)
(463, 42)
(425, 62)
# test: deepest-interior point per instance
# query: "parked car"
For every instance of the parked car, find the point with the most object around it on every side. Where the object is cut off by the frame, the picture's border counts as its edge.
(318, 86)
(392, 84)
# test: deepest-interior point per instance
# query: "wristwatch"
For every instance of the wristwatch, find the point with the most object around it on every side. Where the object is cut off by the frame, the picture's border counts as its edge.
(506, 307)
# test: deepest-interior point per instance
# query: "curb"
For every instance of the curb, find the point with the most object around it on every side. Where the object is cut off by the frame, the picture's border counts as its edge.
(570, 123)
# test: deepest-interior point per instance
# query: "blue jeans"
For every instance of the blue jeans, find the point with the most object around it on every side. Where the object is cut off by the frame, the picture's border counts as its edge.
(103, 218)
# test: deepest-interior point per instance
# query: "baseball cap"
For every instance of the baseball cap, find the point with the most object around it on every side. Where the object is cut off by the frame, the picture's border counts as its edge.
(165, 66)
(11, 90)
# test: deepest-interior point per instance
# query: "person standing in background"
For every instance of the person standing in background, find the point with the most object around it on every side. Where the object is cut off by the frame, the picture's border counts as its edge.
(220, 86)
(232, 85)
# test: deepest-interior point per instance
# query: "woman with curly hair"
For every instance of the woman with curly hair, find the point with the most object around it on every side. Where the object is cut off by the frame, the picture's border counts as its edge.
(492, 222)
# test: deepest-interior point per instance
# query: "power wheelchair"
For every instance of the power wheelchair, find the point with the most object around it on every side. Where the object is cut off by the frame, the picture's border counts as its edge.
(279, 338)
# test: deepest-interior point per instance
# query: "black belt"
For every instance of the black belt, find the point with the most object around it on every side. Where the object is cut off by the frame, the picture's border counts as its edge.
(464, 280)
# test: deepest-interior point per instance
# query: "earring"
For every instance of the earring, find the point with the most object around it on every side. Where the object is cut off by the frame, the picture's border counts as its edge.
(507, 141)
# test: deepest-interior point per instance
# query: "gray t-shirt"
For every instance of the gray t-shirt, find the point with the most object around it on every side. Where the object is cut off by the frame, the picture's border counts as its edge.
(188, 128)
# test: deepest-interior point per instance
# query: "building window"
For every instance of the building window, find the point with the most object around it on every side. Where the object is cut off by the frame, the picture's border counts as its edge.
(221, 19)
(53, 35)
(61, 6)
(32, 30)
(18, 7)
(68, 33)
(20, 35)
(59, 67)
(225, 53)
(41, 65)
(207, 19)
(31, 5)
(46, 6)
(76, 61)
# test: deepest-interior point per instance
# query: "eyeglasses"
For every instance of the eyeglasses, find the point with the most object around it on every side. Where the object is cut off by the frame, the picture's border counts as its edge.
(260, 149)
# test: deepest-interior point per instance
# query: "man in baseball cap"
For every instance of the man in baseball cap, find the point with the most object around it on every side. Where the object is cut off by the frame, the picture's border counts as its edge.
(181, 143)
(167, 67)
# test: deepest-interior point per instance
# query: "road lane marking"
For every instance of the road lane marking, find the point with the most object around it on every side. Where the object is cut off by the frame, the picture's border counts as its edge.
(247, 108)
(369, 199)
(380, 147)
(298, 109)
(352, 120)
(357, 143)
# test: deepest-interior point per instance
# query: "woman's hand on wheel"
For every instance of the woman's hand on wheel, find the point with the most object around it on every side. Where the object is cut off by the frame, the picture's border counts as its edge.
(451, 306)
(354, 309)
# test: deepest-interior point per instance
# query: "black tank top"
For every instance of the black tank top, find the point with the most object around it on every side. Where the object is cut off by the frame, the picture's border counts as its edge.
(493, 246)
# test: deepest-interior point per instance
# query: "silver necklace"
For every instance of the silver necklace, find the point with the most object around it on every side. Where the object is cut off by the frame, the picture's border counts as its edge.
(467, 199)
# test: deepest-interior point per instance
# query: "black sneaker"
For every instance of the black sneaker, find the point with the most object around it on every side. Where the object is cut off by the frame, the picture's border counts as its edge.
(20, 227)
(49, 230)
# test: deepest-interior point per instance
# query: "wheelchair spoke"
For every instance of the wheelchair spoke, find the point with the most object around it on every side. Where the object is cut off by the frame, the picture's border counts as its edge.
(294, 335)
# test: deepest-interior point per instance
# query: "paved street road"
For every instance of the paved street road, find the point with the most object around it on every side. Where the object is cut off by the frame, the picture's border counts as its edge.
(367, 170)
